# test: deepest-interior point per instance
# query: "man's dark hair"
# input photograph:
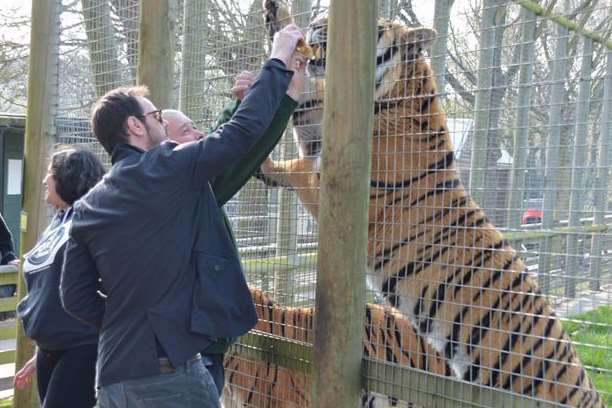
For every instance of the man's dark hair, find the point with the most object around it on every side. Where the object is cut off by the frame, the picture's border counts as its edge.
(110, 113)
(75, 172)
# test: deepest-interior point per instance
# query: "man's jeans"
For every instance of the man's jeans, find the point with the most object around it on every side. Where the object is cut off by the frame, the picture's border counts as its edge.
(190, 386)
(214, 364)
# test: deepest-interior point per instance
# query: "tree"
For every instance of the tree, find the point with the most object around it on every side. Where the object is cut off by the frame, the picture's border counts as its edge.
(14, 37)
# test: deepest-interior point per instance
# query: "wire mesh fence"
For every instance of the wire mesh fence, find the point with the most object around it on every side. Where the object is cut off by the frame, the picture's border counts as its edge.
(98, 52)
(489, 262)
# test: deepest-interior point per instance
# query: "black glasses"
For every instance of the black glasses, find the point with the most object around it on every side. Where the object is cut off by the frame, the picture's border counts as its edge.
(157, 115)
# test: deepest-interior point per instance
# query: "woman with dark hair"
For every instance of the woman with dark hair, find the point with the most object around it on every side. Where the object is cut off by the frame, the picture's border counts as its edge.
(66, 348)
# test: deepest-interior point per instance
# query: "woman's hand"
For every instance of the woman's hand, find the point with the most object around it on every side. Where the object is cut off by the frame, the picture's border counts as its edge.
(24, 376)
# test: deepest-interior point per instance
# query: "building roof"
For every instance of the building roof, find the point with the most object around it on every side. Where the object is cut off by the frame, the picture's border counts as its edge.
(11, 120)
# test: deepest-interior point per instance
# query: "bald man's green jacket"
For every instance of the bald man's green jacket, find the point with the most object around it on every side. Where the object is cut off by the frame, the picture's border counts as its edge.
(227, 184)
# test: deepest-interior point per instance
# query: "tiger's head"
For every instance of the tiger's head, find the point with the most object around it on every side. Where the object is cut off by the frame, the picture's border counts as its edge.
(402, 77)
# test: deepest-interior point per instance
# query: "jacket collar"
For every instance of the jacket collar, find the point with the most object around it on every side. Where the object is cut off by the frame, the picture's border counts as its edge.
(123, 150)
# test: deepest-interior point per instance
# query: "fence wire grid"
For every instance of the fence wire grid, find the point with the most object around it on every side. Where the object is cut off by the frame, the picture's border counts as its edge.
(513, 141)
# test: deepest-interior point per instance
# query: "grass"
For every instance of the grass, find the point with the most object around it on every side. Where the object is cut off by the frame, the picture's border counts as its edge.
(594, 328)
(6, 403)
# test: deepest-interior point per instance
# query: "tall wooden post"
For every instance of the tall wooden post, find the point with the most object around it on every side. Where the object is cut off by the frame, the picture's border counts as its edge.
(102, 45)
(555, 124)
(602, 179)
(439, 51)
(521, 124)
(42, 94)
(156, 52)
(492, 18)
(287, 214)
(347, 132)
(192, 95)
(577, 188)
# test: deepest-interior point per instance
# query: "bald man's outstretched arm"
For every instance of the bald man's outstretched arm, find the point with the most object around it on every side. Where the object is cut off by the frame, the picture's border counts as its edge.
(228, 183)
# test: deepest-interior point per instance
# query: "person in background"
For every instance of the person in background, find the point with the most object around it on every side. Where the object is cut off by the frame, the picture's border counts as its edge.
(7, 247)
(182, 129)
(7, 257)
(65, 358)
(152, 234)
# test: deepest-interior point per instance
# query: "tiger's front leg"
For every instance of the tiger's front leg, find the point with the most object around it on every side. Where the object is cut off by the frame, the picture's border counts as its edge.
(300, 175)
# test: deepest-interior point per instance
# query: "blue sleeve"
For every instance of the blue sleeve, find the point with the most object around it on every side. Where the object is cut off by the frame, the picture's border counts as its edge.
(79, 285)
(222, 148)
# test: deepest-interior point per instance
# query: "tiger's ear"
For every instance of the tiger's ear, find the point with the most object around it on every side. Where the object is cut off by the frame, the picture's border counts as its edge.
(418, 39)
(276, 16)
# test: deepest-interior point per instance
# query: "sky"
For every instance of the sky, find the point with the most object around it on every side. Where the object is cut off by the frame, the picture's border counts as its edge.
(424, 11)
(24, 8)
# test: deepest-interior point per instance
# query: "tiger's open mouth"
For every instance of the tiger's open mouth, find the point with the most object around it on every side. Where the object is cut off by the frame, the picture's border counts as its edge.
(316, 67)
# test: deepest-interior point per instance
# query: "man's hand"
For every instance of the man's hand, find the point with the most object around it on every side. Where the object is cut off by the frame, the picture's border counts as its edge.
(242, 83)
(285, 41)
(298, 66)
(15, 262)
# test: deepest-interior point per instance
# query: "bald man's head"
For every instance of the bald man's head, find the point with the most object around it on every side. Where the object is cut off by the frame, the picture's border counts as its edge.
(181, 129)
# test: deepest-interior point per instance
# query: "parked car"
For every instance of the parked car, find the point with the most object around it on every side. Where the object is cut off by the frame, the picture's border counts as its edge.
(533, 212)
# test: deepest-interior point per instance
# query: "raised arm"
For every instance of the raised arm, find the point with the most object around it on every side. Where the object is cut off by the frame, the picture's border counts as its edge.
(230, 142)
(221, 149)
(228, 183)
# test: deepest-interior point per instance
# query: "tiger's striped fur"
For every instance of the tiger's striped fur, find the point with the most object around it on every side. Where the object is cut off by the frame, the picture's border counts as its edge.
(433, 252)
(388, 336)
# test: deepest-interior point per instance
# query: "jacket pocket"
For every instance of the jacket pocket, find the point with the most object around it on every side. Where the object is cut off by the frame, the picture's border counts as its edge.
(222, 303)
(28, 310)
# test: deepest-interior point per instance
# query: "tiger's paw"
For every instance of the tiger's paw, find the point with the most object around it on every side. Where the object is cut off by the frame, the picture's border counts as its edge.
(268, 175)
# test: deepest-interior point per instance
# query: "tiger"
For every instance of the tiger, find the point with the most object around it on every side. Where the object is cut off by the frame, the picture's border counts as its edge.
(387, 336)
(432, 251)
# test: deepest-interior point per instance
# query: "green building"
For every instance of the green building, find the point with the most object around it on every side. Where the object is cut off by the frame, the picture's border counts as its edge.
(12, 130)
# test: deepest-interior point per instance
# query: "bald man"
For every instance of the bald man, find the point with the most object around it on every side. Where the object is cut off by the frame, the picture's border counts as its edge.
(182, 129)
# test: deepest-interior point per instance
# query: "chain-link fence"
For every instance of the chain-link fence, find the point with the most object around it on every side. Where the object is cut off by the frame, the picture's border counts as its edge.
(489, 251)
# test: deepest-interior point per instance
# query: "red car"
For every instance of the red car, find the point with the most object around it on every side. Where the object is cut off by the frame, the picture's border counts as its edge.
(532, 216)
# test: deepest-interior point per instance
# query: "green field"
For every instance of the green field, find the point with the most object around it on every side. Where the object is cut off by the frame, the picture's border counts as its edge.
(596, 330)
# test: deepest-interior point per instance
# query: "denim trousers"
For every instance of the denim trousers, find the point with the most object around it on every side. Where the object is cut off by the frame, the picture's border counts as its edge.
(214, 364)
(189, 386)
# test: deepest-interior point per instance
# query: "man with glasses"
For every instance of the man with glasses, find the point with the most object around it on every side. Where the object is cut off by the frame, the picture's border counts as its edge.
(182, 129)
(152, 238)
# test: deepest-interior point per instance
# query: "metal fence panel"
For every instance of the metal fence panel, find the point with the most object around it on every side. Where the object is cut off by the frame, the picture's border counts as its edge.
(498, 298)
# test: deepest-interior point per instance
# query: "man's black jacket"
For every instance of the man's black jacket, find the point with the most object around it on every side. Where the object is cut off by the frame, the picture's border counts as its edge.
(154, 235)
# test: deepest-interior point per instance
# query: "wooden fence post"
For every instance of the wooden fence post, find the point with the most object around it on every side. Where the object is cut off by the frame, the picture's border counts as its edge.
(521, 124)
(439, 51)
(42, 96)
(602, 179)
(156, 51)
(192, 92)
(555, 124)
(577, 189)
(345, 181)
